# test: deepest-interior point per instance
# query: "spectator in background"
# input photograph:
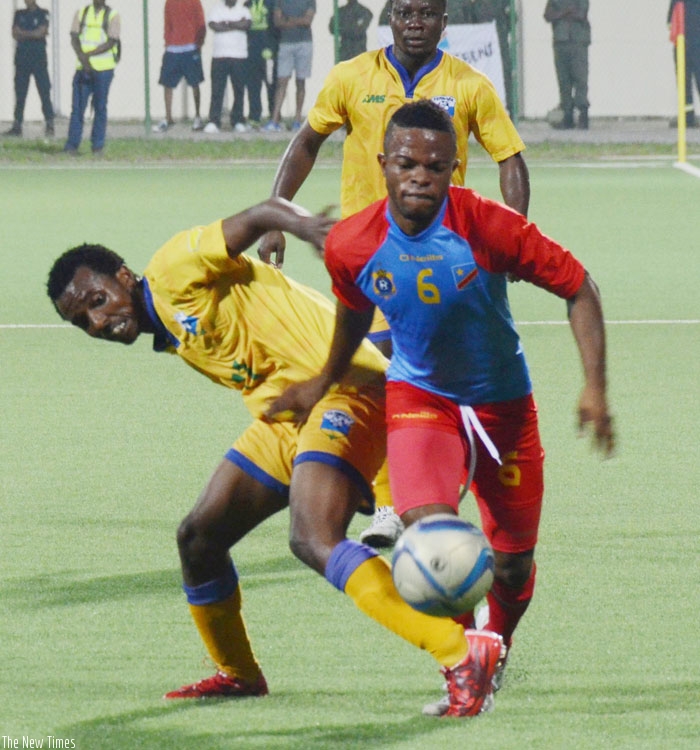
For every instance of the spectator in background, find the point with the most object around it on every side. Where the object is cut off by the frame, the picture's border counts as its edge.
(30, 29)
(260, 63)
(353, 20)
(484, 11)
(184, 31)
(692, 56)
(230, 21)
(571, 33)
(293, 19)
(94, 37)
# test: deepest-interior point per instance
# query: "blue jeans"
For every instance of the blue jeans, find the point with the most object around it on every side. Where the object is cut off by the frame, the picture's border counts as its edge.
(93, 84)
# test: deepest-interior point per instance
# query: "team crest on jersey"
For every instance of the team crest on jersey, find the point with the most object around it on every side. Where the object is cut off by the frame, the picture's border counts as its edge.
(336, 424)
(464, 274)
(188, 322)
(383, 283)
(447, 103)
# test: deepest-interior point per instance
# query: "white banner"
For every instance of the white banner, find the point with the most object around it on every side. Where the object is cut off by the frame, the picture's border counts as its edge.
(476, 44)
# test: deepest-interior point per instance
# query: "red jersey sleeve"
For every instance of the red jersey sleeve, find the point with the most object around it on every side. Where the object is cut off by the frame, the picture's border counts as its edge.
(349, 246)
(503, 240)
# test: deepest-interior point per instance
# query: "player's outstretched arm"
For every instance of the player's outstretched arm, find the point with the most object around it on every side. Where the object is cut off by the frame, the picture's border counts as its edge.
(299, 399)
(243, 229)
(514, 179)
(586, 319)
(297, 162)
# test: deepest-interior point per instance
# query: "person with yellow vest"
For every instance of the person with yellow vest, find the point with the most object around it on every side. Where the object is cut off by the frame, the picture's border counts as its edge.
(95, 39)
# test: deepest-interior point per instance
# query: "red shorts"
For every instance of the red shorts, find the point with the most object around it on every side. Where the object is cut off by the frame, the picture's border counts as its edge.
(428, 451)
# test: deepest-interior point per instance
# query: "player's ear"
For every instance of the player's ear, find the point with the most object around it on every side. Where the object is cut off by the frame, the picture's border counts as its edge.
(456, 164)
(381, 158)
(126, 277)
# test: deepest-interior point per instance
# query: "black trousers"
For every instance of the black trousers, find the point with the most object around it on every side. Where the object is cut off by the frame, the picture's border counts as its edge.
(256, 73)
(223, 68)
(27, 66)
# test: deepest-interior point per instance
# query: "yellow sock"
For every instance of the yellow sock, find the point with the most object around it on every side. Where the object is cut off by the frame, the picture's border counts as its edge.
(223, 631)
(372, 589)
(382, 495)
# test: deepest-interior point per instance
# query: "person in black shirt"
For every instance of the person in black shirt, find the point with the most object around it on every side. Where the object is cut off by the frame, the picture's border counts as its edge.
(30, 29)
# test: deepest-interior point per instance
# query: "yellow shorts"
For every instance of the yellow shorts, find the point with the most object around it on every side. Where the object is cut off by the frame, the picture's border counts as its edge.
(345, 430)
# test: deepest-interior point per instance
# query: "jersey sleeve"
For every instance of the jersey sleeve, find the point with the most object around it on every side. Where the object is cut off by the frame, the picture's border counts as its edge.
(503, 241)
(343, 270)
(194, 258)
(329, 111)
(490, 123)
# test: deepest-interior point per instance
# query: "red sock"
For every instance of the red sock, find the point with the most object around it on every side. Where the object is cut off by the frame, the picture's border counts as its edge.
(507, 606)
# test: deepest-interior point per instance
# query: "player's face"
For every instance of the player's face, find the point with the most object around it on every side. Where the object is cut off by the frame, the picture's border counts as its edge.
(103, 306)
(417, 26)
(417, 168)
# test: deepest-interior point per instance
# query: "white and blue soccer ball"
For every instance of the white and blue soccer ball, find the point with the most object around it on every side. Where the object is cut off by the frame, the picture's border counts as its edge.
(442, 565)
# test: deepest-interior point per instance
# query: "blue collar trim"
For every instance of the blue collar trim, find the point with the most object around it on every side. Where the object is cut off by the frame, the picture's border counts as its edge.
(409, 84)
(162, 338)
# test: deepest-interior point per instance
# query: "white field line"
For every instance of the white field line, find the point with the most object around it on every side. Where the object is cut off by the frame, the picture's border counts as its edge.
(689, 168)
(651, 322)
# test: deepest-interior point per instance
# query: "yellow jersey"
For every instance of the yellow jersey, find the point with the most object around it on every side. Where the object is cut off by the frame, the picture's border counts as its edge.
(364, 92)
(243, 323)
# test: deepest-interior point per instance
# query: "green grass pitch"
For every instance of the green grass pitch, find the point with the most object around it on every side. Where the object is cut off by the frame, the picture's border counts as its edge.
(104, 449)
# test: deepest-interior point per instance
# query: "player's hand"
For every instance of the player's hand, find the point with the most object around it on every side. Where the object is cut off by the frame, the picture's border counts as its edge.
(297, 401)
(272, 245)
(593, 410)
(315, 229)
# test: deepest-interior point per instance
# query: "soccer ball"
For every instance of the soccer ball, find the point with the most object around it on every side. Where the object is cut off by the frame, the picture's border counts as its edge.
(442, 565)
(555, 117)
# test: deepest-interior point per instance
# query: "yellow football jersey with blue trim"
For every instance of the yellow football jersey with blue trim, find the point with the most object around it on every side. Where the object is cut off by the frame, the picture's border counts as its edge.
(243, 323)
(364, 92)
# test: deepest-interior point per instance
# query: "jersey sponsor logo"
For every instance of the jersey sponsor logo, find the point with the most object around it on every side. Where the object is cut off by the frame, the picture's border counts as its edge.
(415, 415)
(243, 376)
(463, 276)
(188, 322)
(383, 284)
(408, 258)
(336, 424)
(374, 99)
(448, 103)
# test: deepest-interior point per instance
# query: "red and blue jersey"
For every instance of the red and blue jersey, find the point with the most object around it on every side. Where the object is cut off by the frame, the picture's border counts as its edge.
(444, 293)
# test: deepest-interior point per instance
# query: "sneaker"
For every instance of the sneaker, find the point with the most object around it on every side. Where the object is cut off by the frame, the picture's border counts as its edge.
(162, 126)
(50, 130)
(385, 529)
(482, 621)
(211, 128)
(220, 686)
(296, 125)
(197, 123)
(241, 127)
(469, 683)
(14, 130)
(272, 127)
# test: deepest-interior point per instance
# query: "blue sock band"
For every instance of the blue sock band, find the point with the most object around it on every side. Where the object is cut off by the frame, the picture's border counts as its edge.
(214, 591)
(345, 559)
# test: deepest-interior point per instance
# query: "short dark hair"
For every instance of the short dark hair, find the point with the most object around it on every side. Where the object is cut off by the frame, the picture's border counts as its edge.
(96, 257)
(424, 114)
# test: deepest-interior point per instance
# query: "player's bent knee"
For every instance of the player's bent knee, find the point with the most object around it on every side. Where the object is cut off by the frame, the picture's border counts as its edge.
(192, 541)
(513, 570)
(309, 551)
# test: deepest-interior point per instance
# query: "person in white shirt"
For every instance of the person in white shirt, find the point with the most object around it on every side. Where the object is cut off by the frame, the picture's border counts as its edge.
(230, 21)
